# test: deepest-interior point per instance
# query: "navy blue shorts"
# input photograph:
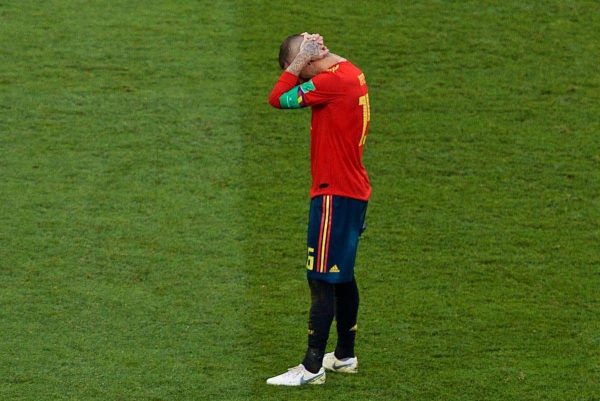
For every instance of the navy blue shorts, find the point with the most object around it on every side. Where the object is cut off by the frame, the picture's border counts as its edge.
(335, 224)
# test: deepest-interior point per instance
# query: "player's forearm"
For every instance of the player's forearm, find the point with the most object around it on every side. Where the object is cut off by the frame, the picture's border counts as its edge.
(298, 64)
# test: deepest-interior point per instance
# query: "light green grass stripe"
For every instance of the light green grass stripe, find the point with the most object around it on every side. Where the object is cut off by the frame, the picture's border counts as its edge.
(479, 269)
(120, 275)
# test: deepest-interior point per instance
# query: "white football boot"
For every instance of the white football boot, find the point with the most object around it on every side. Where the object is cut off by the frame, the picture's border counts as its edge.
(298, 376)
(346, 365)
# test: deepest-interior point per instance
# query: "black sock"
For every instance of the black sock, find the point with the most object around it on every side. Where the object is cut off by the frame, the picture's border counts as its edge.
(346, 312)
(319, 323)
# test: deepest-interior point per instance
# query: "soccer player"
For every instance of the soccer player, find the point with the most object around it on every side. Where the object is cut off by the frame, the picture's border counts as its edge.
(337, 93)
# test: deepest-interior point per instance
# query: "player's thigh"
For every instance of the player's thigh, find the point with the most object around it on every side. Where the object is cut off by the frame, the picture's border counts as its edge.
(335, 225)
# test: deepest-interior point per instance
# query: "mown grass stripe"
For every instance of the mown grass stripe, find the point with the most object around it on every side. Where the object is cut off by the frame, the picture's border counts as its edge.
(120, 272)
(478, 271)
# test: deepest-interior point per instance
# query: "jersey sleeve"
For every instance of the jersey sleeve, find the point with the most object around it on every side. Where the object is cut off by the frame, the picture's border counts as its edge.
(286, 82)
(322, 89)
(319, 90)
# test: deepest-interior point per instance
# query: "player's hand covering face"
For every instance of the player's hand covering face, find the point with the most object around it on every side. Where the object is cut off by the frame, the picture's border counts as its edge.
(311, 49)
(313, 46)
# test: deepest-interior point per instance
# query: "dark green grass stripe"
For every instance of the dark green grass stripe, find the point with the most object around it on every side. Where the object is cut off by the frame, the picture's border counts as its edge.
(120, 270)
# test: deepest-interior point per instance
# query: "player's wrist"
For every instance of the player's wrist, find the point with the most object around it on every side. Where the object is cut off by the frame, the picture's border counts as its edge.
(301, 60)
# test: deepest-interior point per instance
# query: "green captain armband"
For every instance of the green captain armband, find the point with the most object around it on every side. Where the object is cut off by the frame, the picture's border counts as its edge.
(294, 98)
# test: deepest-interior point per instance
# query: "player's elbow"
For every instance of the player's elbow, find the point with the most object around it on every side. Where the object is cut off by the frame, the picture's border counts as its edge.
(274, 100)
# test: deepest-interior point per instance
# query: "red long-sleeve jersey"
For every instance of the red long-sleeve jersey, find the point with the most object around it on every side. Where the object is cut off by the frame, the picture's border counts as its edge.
(339, 99)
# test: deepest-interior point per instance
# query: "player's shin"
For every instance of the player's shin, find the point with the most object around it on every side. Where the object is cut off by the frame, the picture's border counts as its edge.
(320, 319)
(346, 302)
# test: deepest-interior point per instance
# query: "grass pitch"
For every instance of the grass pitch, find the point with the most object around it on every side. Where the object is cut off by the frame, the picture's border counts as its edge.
(154, 207)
